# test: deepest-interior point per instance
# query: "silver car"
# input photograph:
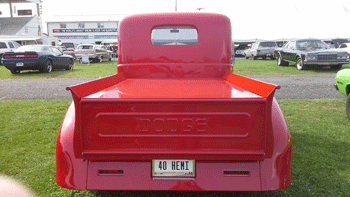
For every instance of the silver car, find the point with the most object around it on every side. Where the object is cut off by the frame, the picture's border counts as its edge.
(261, 49)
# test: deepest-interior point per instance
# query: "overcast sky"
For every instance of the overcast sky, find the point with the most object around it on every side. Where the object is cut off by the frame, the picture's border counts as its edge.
(262, 19)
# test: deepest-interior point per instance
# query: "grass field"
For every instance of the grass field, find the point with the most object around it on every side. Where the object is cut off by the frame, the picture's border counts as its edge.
(94, 70)
(319, 129)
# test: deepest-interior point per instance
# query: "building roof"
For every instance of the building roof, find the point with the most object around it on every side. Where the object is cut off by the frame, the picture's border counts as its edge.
(84, 18)
(20, 1)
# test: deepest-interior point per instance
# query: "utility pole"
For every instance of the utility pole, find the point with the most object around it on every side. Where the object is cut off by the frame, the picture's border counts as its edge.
(175, 5)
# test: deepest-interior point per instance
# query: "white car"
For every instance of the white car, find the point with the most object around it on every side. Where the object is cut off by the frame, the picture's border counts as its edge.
(345, 47)
(7, 46)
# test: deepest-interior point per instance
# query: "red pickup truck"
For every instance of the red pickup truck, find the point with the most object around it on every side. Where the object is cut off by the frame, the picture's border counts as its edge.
(175, 117)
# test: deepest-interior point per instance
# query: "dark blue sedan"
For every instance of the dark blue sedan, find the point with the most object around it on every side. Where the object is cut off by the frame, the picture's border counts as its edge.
(44, 58)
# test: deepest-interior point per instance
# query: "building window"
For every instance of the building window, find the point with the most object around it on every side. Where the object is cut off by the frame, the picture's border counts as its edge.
(63, 26)
(100, 25)
(81, 25)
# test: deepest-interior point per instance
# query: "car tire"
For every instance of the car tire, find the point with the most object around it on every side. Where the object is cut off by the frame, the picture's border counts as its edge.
(246, 57)
(300, 64)
(348, 107)
(47, 67)
(253, 57)
(15, 72)
(281, 62)
(336, 67)
(70, 65)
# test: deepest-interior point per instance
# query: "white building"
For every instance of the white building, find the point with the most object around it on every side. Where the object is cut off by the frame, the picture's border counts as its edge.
(83, 29)
(20, 20)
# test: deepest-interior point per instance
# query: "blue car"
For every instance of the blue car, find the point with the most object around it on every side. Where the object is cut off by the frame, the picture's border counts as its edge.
(44, 58)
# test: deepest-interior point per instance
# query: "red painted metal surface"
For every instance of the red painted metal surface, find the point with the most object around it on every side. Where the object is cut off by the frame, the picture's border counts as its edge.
(174, 102)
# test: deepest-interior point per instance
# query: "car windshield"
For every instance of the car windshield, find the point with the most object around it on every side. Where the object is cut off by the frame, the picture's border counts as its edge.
(32, 48)
(85, 47)
(311, 44)
(242, 47)
(268, 44)
(68, 45)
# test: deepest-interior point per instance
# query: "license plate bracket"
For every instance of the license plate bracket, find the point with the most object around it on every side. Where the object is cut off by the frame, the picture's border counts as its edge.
(173, 168)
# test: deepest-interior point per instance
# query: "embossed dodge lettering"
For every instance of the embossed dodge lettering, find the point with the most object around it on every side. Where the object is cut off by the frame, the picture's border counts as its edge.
(175, 117)
(172, 125)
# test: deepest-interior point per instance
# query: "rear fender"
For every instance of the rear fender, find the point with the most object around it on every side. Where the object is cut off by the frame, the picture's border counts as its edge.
(276, 170)
(70, 171)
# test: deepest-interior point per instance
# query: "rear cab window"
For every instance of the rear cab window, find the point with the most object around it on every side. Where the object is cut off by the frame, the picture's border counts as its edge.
(174, 35)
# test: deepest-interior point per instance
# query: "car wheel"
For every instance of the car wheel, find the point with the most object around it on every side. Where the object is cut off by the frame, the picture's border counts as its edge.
(110, 59)
(348, 107)
(253, 57)
(280, 61)
(15, 72)
(245, 56)
(47, 67)
(300, 64)
(336, 67)
(70, 65)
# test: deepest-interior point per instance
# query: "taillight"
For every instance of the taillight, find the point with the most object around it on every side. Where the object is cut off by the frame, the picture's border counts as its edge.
(258, 51)
(21, 56)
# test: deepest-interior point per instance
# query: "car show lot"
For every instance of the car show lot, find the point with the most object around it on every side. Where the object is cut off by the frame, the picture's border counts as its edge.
(32, 106)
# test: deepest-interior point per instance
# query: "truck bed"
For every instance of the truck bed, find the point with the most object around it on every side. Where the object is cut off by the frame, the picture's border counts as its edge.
(174, 88)
(121, 118)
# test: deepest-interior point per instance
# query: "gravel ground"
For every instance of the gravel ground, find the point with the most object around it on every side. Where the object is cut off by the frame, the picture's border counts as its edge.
(292, 87)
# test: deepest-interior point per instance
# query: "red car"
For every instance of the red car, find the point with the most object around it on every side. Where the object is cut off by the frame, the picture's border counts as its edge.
(175, 117)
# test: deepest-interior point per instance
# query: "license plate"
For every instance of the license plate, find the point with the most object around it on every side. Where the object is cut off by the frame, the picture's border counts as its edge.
(19, 64)
(173, 168)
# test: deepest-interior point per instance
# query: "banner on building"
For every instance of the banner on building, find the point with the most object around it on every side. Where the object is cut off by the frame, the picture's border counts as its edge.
(84, 30)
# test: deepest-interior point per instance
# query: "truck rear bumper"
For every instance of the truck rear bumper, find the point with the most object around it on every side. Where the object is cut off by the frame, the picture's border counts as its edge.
(138, 176)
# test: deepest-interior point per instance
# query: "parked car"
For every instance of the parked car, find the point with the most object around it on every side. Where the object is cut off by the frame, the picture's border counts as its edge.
(338, 41)
(7, 46)
(66, 51)
(97, 53)
(342, 80)
(305, 52)
(345, 47)
(239, 50)
(44, 58)
(113, 43)
(262, 49)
